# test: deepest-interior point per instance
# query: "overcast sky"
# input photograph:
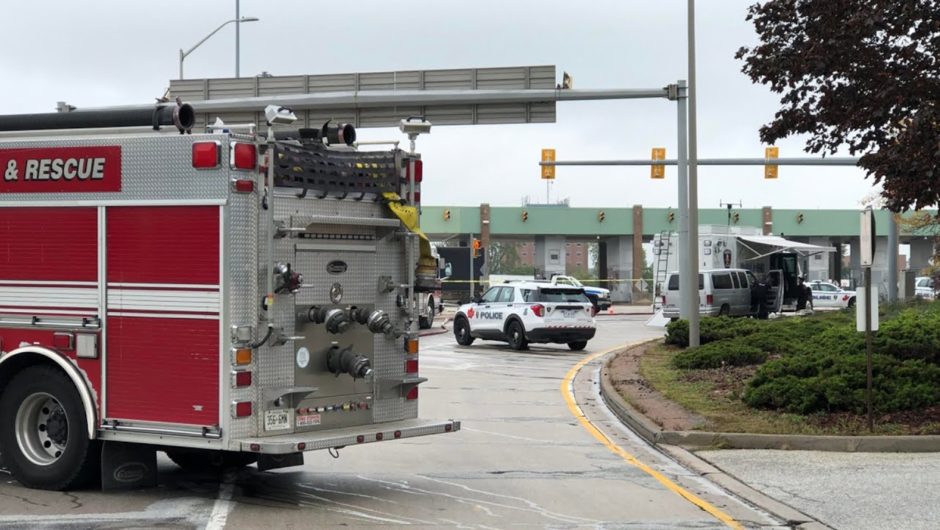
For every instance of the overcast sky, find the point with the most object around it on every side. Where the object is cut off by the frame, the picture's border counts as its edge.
(111, 52)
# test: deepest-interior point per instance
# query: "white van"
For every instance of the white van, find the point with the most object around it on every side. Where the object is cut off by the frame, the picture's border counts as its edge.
(721, 292)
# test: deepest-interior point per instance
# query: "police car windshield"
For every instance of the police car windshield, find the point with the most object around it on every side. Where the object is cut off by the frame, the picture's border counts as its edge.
(555, 295)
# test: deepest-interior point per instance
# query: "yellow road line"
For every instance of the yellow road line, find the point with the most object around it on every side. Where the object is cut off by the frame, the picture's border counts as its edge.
(567, 390)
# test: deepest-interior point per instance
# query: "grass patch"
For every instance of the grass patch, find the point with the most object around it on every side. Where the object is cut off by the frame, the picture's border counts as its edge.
(715, 394)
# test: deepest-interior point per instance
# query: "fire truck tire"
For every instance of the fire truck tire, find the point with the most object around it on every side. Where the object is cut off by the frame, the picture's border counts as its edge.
(205, 461)
(42, 432)
(428, 321)
(462, 331)
(515, 334)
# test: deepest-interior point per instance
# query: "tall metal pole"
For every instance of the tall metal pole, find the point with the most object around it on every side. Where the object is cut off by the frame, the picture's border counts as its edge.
(868, 345)
(687, 288)
(238, 36)
(693, 184)
(892, 256)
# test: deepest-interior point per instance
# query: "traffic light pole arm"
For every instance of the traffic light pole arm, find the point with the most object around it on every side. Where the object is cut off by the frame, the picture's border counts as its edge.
(806, 161)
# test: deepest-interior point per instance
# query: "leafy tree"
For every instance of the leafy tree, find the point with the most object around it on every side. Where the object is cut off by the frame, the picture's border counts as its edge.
(860, 73)
(503, 257)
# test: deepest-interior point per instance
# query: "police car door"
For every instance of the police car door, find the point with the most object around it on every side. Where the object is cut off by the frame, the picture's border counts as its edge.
(825, 295)
(487, 316)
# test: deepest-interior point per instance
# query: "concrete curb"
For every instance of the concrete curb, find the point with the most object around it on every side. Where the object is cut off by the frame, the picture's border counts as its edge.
(651, 432)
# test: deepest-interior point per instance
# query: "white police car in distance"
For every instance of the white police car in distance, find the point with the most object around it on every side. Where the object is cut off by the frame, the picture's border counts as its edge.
(923, 288)
(526, 312)
(827, 294)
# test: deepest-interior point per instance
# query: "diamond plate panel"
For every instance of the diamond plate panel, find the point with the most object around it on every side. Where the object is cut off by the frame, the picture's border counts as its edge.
(243, 297)
(154, 167)
(388, 259)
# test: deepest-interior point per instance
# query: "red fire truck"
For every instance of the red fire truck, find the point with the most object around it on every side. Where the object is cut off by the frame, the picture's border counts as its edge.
(230, 297)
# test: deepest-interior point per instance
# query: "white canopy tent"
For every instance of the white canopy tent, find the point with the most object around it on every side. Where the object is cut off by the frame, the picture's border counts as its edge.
(779, 244)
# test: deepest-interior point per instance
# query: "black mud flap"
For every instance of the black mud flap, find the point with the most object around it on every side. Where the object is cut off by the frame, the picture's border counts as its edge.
(266, 462)
(128, 466)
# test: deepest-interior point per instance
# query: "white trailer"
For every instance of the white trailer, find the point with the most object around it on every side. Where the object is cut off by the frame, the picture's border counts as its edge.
(775, 260)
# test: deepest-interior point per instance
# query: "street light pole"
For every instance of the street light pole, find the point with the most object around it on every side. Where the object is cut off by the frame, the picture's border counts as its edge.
(238, 36)
(183, 54)
(693, 248)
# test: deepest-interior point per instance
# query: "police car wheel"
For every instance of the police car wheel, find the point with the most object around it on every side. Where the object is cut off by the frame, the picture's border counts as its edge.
(462, 332)
(516, 336)
(577, 345)
(43, 432)
(851, 302)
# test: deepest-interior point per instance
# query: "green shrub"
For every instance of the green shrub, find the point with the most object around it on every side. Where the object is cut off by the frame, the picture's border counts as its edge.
(718, 354)
(677, 333)
(712, 329)
(912, 334)
(832, 382)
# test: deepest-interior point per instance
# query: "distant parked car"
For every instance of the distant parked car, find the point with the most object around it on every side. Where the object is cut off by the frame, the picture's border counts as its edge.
(923, 288)
(827, 294)
(598, 296)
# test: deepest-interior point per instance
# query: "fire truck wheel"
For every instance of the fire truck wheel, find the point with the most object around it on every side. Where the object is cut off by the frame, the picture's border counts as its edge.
(42, 431)
(462, 331)
(516, 336)
(428, 321)
(205, 461)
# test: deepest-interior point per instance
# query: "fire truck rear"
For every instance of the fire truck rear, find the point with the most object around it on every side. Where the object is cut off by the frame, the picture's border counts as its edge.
(231, 297)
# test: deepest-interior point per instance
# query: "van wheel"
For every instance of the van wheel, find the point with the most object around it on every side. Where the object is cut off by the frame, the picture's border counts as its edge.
(515, 334)
(205, 461)
(577, 345)
(462, 331)
(724, 311)
(43, 432)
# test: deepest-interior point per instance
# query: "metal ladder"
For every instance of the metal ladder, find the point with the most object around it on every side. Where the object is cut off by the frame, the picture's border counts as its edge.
(662, 264)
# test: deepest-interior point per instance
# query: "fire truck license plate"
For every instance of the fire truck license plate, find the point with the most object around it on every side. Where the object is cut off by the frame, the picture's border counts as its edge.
(277, 420)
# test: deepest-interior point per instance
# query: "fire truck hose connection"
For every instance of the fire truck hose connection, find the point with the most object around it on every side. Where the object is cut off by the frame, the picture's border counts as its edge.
(285, 279)
(379, 322)
(345, 361)
(337, 320)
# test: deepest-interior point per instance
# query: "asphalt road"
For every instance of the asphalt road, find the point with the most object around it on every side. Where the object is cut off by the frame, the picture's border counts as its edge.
(526, 457)
(844, 490)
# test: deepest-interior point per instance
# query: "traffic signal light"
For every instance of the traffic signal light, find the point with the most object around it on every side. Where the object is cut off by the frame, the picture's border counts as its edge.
(548, 172)
(671, 216)
(476, 247)
(447, 215)
(601, 216)
(525, 216)
(770, 170)
(658, 172)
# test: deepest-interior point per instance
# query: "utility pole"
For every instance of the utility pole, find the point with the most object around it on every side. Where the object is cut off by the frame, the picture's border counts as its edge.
(693, 185)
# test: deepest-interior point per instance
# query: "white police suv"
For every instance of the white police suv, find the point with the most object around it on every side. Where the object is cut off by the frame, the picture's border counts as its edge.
(826, 294)
(525, 312)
